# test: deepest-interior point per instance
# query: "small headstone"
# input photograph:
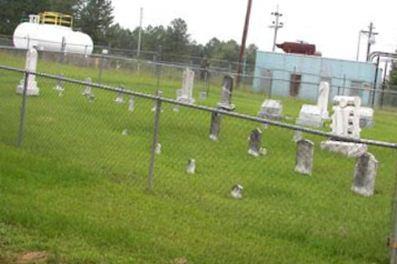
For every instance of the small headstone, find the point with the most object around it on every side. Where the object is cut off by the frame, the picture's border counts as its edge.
(304, 157)
(158, 149)
(215, 128)
(60, 86)
(191, 166)
(365, 174)
(237, 191)
(125, 132)
(119, 98)
(255, 143)
(87, 88)
(366, 117)
(226, 95)
(203, 95)
(185, 94)
(175, 108)
(131, 104)
(271, 109)
(31, 66)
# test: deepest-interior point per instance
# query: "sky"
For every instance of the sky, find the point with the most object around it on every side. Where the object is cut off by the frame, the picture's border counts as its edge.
(333, 25)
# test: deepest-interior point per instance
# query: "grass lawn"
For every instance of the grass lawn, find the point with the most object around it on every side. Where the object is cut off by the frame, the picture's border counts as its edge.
(76, 188)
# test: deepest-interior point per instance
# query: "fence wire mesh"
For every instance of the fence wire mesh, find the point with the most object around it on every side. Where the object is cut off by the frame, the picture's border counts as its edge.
(109, 133)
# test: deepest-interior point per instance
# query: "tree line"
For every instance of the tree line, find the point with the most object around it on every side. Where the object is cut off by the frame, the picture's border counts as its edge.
(95, 17)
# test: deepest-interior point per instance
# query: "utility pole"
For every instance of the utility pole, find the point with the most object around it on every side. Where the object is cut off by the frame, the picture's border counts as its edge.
(371, 38)
(276, 24)
(243, 42)
(359, 45)
(138, 52)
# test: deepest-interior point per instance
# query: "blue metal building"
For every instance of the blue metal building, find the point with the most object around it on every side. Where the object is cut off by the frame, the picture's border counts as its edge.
(296, 75)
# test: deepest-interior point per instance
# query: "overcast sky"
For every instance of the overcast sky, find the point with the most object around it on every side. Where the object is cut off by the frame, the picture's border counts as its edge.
(331, 25)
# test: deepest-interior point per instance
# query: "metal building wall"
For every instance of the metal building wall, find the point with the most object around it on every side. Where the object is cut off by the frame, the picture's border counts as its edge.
(342, 74)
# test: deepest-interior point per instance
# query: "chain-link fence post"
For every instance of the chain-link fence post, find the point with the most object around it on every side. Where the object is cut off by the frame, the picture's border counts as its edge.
(23, 110)
(154, 143)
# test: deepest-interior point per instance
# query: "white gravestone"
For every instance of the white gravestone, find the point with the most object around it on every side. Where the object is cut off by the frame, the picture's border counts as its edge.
(87, 89)
(322, 100)
(60, 85)
(31, 66)
(346, 117)
(185, 94)
(191, 166)
(158, 149)
(271, 109)
(314, 115)
(310, 115)
(304, 157)
(120, 97)
(226, 95)
(346, 123)
(365, 174)
(131, 104)
(366, 117)
(237, 191)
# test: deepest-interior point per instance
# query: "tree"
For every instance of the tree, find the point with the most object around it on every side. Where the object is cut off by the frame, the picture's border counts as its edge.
(95, 19)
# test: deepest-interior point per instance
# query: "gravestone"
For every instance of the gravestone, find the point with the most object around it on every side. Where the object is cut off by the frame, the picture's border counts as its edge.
(60, 85)
(304, 157)
(366, 117)
(203, 95)
(125, 132)
(322, 100)
(310, 115)
(191, 166)
(271, 109)
(215, 128)
(346, 116)
(345, 123)
(237, 191)
(131, 104)
(255, 143)
(185, 94)
(30, 66)
(226, 95)
(315, 115)
(365, 174)
(87, 89)
(120, 97)
(158, 149)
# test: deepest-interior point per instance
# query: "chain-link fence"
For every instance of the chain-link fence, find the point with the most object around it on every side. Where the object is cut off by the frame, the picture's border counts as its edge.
(295, 193)
(148, 76)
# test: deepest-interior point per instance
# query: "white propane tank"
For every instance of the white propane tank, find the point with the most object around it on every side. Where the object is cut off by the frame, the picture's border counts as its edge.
(51, 37)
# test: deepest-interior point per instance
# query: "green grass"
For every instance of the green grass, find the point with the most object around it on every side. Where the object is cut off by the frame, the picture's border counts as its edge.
(76, 188)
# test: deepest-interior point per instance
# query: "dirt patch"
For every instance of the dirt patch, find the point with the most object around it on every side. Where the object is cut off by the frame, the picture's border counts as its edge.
(33, 257)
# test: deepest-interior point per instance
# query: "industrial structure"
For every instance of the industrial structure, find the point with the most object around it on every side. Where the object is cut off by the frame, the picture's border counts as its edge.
(298, 75)
(51, 31)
